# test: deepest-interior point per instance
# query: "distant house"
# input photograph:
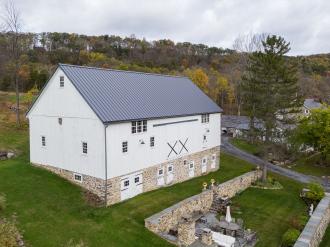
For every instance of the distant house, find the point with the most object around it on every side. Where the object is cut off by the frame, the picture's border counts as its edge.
(310, 104)
(237, 126)
(121, 133)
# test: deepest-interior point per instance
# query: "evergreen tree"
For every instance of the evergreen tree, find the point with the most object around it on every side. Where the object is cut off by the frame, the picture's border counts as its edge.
(270, 88)
(270, 92)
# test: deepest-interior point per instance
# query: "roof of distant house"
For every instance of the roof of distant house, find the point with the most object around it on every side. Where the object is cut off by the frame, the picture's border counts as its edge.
(238, 122)
(312, 104)
(117, 95)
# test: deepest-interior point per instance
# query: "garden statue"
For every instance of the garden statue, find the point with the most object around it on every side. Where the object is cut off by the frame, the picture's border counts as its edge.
(204, 185)
(212, 182)
(311, 209)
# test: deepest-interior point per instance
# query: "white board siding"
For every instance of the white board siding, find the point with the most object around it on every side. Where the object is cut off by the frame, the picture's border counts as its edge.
(64, 142)
(141, 156)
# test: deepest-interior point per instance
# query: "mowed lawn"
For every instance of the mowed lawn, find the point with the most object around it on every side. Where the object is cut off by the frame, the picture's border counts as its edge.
(269, 212)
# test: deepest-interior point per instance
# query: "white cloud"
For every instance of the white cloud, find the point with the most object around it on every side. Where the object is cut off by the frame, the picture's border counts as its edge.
(305, 23)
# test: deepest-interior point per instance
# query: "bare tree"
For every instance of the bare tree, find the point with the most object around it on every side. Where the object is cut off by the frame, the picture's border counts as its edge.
(244, 45)
(12, 24)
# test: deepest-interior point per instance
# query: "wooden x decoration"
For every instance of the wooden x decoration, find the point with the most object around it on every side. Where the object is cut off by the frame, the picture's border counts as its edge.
(183, 145)
(172, 148)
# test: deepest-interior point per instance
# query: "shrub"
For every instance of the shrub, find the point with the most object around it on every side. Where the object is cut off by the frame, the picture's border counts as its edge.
(9, 233)
(298, 222)
(316, 192)
(290, 237)
(2, 202)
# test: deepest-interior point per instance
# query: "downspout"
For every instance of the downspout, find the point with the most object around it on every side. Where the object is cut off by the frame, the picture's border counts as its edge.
(105, 163)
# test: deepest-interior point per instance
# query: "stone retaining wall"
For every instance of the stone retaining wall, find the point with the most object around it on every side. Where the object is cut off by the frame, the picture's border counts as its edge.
(169, 217)
(316, 226)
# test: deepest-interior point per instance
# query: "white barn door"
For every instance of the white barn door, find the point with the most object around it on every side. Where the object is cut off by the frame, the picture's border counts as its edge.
(160, 177)
(191, 169)
(213, 161)
(170, 174)
(204, 164)
(131, 186)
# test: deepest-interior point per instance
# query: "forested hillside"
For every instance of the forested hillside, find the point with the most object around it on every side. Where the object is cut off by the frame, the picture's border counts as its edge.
(216, 70)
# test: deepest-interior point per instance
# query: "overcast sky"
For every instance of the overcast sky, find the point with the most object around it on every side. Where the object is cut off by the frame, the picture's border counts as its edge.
(305, 23)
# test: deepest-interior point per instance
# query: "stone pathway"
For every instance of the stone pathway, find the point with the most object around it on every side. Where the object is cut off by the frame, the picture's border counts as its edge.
(227, 147)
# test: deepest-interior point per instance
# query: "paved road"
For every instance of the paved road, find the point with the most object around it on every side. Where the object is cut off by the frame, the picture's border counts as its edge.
(227, 147)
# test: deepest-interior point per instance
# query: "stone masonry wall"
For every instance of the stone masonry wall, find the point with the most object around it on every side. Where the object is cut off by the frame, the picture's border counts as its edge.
(181, 170)
(112, 187)
(231, 187)
(316, 226)
(169, 217)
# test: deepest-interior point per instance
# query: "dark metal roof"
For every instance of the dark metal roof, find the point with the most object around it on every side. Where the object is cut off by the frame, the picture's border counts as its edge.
(116, 95)
(312, 104)
(239, 122)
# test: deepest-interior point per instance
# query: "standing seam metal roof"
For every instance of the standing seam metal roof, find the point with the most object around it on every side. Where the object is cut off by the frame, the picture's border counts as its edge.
(116, 95)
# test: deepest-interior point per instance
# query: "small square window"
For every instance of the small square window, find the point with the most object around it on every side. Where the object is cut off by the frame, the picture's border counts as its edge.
(43, 141)
(126, 183)
(133, 127)
(213, 157)
(152, 141)
(124, 147)
(60, 121)
(137, 180)
(160, 172)
(205, 118)
(144, 125)
(191, 165)
(78, 177)
(170, 168)
(84, 147)
(61, 81)
(204, 161)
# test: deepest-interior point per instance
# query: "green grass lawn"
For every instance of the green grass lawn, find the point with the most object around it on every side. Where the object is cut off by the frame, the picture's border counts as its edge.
(326, 240)
(269, 211)
(306, 167)
(244, 145)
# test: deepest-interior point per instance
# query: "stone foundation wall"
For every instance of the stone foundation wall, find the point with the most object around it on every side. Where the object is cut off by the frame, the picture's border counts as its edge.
(169, 217)
(231, 187)
(316, 226)
(181, 170)
(112, 188)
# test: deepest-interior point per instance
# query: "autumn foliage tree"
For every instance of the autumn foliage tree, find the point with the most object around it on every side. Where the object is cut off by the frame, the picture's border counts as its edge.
(314, 131)
(199, 77)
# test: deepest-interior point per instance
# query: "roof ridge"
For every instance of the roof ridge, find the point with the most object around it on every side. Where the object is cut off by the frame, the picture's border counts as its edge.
(118, 70)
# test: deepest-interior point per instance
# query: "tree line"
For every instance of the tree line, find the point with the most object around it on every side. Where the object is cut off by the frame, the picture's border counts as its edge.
(28, 59)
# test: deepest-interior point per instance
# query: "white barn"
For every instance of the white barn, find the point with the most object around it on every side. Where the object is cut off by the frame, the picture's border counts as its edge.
(121, 133)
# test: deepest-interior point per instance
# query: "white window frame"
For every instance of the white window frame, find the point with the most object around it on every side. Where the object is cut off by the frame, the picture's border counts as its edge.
(172, 168)
(205, 118)
(79, 175)
(160, 169)
(61, 81)
(139, 126)
(152, 141)
(43, 141)
(193, 165)
(124, 183)
(84, 148)
(204, 158)
(124, 150)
